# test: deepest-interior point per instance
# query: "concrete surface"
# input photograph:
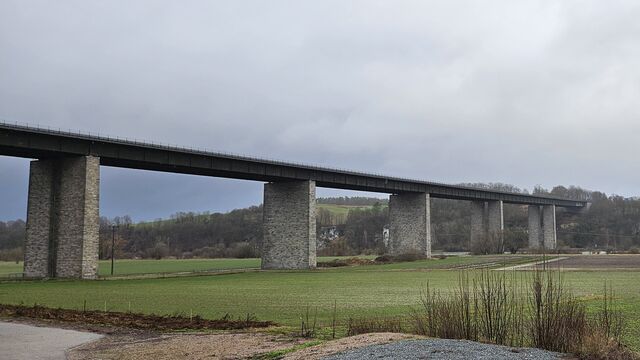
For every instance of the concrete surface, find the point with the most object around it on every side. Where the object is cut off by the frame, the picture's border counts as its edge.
(21, 342)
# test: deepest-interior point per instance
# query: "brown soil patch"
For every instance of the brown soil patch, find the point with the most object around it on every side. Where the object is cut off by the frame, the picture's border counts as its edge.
(129, 320)
(353, 261)
(187, 346)
(597, 262)
(219, 346)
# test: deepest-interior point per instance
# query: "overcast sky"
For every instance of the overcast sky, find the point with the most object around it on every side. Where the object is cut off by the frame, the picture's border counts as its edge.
(519, 92)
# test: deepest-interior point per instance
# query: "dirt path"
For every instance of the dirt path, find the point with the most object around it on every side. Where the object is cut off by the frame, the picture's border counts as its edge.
(187, 346)
(616, 262)
(531, 265)
(220, 346)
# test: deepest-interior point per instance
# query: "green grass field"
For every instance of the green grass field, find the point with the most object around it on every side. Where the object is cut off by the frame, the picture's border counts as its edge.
(169, 266)
(283, 296)
(342, 209)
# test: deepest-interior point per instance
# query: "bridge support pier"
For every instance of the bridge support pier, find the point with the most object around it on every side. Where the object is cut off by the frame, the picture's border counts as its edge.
(549, 227)
(289, 225)
(495, 223)
(410, 224)
(487, 226)
(62, 218)
(542, 227)
(478, 236)
(535, 227)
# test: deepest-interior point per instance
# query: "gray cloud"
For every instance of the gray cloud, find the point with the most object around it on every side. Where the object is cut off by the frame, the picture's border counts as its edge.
(526, 93)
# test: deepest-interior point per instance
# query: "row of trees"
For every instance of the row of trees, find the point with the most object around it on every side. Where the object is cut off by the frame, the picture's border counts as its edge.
(12, 240)
(235, 234)
(612, 222)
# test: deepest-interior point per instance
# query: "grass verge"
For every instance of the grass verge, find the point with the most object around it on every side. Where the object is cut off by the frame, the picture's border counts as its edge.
(279, 354)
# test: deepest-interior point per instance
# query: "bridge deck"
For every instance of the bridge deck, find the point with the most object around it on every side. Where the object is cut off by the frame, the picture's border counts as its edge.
(31, 142)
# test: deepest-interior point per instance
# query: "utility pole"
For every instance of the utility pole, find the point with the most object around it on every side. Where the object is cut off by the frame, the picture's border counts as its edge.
(113, 243)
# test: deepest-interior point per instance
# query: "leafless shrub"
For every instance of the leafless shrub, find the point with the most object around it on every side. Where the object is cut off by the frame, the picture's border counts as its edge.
(371, 325)
(597, 346)
(610, 320)
(450, 317)
(308, 324)
(15, 254)
(496, 308)
(558, 321)
(538, 311)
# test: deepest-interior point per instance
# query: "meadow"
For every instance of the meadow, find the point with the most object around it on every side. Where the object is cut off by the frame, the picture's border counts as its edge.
(284, 296)
(173, 266)
(163, 266)
(343, 210)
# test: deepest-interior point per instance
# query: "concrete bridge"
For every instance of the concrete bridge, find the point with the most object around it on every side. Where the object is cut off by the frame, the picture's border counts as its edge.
(64, 181)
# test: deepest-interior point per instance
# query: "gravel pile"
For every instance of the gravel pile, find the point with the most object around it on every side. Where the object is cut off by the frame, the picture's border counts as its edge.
(441, 349)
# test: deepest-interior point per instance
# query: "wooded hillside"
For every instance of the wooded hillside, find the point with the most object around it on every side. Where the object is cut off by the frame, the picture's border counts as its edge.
(351, 225)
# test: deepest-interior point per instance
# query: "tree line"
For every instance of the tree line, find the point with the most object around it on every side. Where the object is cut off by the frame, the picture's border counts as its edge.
(611, 223)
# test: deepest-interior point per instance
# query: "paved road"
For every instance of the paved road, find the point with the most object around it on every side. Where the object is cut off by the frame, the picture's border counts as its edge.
(21, 342)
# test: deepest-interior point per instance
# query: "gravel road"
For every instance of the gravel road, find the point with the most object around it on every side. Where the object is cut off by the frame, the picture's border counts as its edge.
(441, 349)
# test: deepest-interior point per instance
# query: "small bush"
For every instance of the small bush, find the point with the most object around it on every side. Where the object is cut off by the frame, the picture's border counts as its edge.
(243, 251)
(308, 324)
(558, 321)
(331, 264)
(15, 254)
(597, 346)
(384, 259)
(409, 257)
(210, 252)
(400, 258)
(346, 262)
(490, 243)
(158, 251)
(372, 325)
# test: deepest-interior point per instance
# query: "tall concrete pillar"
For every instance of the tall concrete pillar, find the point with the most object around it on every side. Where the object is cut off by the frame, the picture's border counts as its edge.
(37, 260)
(495, 224)
(289, 225)
(478, 226)
(410, 224)
(549, 226)
(62, 218)
(535, 228)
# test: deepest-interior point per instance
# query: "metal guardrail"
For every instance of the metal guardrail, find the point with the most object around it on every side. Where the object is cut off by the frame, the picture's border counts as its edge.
(203, 151)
